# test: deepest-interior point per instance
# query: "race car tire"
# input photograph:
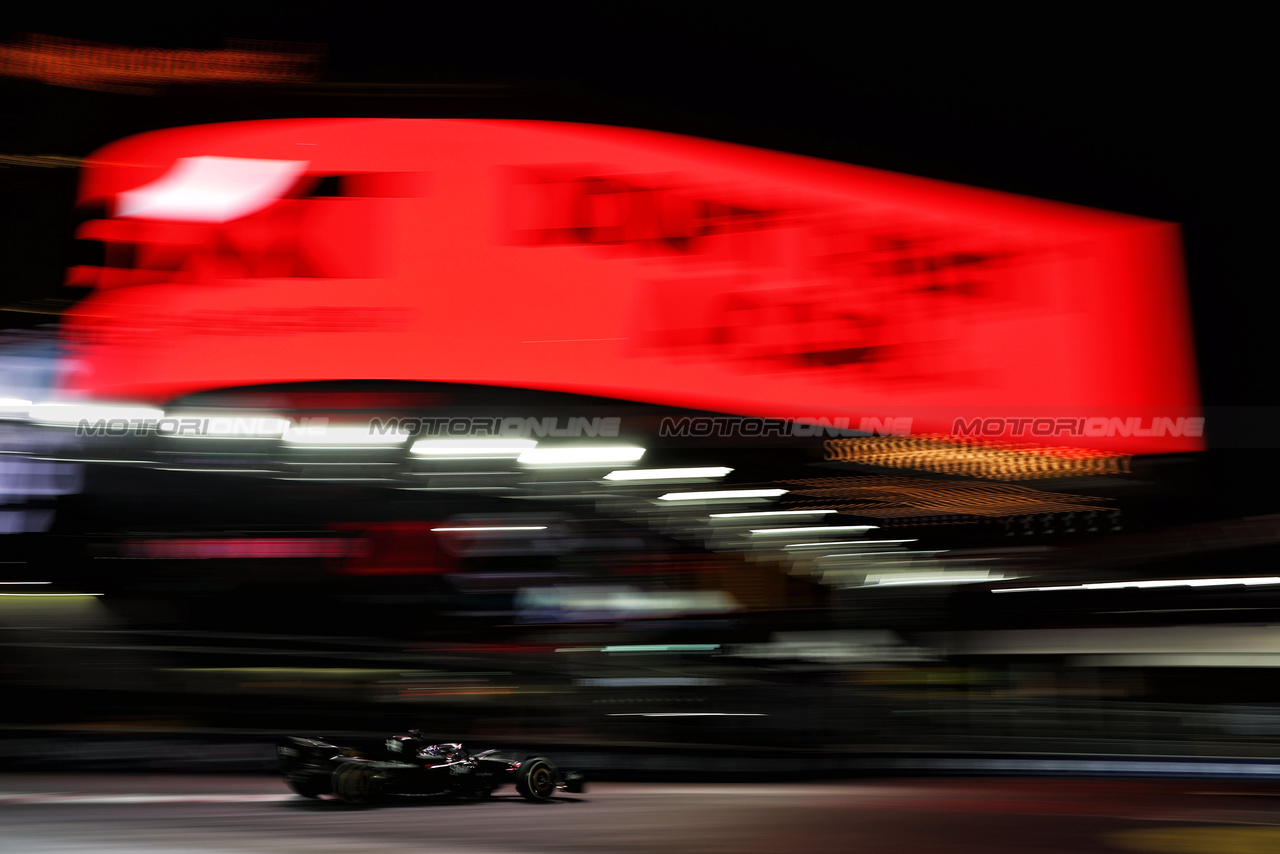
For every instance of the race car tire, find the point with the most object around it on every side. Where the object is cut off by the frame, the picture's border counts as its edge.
(537, 779)
(311, 787)
(355, 783)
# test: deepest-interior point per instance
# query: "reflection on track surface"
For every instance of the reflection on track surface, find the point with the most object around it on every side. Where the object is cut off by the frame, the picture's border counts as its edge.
(159, 814)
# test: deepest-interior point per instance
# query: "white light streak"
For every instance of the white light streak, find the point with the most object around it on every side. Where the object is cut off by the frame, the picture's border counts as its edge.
(342, 437)
(456, 488)
(895, 554)
(771, 513)
(582, 456)
(931, 578)
(725, 495)
(668, 474)
(472, 448)
(665, 647)
(363, 463)
(82, 460)
(828, 529)
(213, 426)
(74, 413)
(213, 470)
(336, 479)
(1172, 582)
(495, 528)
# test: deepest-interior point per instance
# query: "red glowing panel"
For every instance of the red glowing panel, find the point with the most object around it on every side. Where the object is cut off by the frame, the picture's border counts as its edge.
(395, 548)
(209, 548)
(619, 263)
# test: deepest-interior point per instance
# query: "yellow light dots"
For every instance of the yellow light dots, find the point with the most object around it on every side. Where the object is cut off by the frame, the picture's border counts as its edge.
(898, 497)
(975, 458)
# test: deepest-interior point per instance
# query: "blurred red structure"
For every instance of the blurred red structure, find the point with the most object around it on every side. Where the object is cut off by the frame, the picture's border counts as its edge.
(619, 263)
(394, 548)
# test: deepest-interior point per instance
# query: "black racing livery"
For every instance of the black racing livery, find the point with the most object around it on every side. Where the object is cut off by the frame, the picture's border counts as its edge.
(412, 766)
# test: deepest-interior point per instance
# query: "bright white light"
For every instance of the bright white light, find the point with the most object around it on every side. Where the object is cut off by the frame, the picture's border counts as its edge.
(83, 460)
(335, 479)
(930, 578)
(581, 456)
(341, 437)
(211, 189)
(771, 513)
(12, 406)
(221, 426)
(726, 494)
(457, 488)
(213, 470)
(667, 474)
(1173, 582)
(831, 543)
(472, 448)
(364, 464)
(822, 557)
(664, 647)
(26, 582)
(894, 554)
(496, 528)
(830, 529)
(74, 413)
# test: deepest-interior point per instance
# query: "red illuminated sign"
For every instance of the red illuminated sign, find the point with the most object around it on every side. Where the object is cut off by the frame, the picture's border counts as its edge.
(211, 548)
(625, 264)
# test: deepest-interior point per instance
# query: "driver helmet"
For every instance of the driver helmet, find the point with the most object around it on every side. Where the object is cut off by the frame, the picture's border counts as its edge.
(444, 751)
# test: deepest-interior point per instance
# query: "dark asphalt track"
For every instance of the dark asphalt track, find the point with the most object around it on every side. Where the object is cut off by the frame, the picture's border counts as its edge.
(159, 814)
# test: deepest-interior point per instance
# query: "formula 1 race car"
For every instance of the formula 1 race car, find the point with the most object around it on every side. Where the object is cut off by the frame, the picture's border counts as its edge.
(410, 766)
